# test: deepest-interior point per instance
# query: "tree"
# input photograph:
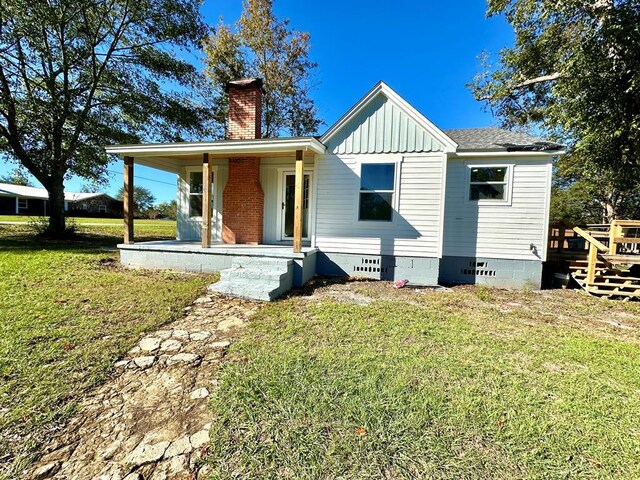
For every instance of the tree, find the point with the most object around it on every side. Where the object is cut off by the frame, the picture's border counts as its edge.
(79, 74)
(143, 200)
(262, 45)
(16, 177)
(91, 187)
(168, 210)
(582, 196)
(574, 73)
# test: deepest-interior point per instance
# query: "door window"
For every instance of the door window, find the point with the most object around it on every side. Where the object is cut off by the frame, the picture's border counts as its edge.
(289, 204)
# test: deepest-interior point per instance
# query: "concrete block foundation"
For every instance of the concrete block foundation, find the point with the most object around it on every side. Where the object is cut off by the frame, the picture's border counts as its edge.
(418, 270)
(495, 272)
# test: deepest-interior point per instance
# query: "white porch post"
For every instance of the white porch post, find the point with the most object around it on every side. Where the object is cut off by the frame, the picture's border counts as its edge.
(206, 201)
(17, 206)
(297, 216)
(127, 204)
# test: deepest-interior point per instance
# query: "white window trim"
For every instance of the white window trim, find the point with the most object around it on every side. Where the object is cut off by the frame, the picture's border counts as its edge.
(187, 189)
(26, 203)
(102, 208)
(508, 182)
(395, 196)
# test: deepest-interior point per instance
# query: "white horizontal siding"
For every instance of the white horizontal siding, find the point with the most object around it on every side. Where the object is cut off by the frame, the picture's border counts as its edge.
(415, 230)
(509, 231)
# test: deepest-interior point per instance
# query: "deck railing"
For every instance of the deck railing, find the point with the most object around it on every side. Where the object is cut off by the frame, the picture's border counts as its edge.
(598, 255)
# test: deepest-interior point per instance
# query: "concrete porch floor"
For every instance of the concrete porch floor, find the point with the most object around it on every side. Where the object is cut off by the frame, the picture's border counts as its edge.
(192, 257)
(176, 246)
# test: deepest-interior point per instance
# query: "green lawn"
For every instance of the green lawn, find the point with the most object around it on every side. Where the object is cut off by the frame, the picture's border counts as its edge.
(67, 312)
(95, 231)
(140, 222)
(471, 383)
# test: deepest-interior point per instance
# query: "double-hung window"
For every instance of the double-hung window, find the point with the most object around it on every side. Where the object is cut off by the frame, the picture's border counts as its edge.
(195, 194)
(489, 183)
(377, 185)
(23, 204)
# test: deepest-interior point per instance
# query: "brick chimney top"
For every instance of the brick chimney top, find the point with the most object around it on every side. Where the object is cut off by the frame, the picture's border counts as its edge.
(245, 108)
(245, 83)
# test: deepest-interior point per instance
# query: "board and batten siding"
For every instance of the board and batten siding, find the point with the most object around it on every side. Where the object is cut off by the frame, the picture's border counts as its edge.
(415, 230)
(517, 230)
(189, 229)
(382, 127)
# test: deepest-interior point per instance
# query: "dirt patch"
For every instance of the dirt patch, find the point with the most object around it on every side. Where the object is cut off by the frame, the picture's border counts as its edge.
(151, 420)
(359, 291)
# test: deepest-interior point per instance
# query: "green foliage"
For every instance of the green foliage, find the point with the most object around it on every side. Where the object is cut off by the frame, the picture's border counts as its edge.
(76, 75)
(581, 195)
(38, 226)
(143, 199)
(574, 72)
(91, 187)
(168, 210)
(17, 177)
(264, 46)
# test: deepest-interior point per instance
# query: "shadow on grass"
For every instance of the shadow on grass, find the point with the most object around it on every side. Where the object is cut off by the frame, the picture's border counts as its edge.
(18, 239)
(316, 283)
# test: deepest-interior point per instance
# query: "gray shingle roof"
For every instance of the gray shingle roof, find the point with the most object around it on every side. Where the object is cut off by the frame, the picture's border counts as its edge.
(498, 139)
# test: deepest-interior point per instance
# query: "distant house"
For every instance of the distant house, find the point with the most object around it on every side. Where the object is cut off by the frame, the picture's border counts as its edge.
(21, 200)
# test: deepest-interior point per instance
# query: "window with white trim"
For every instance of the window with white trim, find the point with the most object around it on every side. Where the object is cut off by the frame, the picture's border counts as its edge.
(102, 208)
(23, 204)
(195, 194)
(488, 183)
(377, 187)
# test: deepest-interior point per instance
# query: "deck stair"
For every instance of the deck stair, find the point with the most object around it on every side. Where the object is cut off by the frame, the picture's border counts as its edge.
(605, 271)
(609, 282)
(256, 278)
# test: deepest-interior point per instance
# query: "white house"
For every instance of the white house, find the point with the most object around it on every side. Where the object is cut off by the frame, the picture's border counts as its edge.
(384, 193)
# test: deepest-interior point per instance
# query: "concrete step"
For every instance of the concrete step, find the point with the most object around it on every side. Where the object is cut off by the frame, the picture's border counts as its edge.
(257, 278)
(248, 262)
(250, 291)
(261, 274)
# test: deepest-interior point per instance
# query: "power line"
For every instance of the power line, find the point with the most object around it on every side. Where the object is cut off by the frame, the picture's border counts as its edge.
(143, 178)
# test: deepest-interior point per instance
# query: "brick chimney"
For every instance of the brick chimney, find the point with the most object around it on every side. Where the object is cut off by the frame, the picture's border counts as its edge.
(243, 198)
(245, 109)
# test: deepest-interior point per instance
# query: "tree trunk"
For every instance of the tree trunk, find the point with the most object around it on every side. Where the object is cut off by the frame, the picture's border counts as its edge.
(56, 208)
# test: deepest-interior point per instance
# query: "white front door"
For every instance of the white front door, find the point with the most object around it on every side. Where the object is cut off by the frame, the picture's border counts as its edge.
(288, 205)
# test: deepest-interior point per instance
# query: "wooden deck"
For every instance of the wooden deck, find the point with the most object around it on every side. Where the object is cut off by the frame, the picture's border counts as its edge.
(600, 258)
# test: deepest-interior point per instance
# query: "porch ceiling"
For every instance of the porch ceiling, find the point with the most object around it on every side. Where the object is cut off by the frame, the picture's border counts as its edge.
(172, 157)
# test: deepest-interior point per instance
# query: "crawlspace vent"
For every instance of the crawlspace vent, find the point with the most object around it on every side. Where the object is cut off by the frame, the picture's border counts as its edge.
(369, 265)
(478, 269)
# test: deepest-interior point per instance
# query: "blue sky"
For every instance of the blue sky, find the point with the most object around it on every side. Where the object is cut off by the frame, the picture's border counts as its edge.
(425, 50)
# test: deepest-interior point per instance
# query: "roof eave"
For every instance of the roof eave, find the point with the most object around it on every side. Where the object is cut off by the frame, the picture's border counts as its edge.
(505, 153)
(230, 147)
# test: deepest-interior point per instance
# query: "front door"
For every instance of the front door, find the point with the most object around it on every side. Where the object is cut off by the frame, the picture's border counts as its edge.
(288, 204)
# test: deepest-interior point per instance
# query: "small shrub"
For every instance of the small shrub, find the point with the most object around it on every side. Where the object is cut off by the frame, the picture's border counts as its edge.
(39, 226)
(483, 293)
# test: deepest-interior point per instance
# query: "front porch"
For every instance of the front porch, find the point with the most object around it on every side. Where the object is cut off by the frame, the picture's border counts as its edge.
(193, 257)
(240, 204)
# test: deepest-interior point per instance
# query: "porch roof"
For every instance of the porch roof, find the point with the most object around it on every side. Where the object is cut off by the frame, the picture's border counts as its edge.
(173, 156)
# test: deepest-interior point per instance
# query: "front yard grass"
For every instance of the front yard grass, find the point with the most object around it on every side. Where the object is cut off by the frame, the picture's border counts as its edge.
(144, 222)
(67, 312)
(361, 381)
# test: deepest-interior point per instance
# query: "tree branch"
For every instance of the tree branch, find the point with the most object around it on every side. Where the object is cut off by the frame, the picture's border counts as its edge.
(541, 79)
